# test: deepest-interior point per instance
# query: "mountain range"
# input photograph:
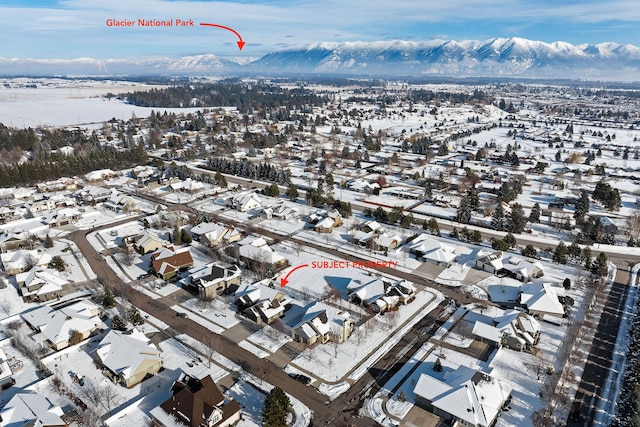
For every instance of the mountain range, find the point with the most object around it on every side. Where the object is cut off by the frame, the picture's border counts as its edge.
(498, 57)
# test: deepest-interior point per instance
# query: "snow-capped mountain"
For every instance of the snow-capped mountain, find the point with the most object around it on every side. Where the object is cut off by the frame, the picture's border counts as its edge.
(198, 64)
(499, 57)
(494, 57)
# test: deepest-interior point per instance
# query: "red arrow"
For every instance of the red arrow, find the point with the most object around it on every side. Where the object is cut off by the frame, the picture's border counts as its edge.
(240, 43)
(284, 280)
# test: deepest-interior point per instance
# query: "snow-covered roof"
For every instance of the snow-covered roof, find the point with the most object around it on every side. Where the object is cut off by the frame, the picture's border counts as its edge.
(123, 352)
(30, 409)
(467, 394)
(57, 326)
(541, 298)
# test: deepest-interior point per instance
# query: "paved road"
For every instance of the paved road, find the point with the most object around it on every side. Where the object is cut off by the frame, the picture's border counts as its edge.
(600, 359)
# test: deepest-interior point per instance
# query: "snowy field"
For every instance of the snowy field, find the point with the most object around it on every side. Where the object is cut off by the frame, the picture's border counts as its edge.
(71, 103)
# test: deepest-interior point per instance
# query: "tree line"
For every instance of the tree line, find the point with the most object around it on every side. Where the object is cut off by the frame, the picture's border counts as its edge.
(245, 96)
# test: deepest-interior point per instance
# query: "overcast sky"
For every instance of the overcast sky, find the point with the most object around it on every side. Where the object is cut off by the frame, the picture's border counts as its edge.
(77, 28)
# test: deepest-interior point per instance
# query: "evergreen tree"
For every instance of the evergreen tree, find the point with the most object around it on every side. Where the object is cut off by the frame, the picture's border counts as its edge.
(433, 227)
(177, 236)
(274, 413)
(463, 215)
(588, 257)
(473, 198)
(574, 251)
(510, 240)
(534, 216)
(135, 317)
(185, 236)
(582, 207)
(516, 220)
(476, 236)
(600, 266)
(48, 242)
(498, 219)
(428, 191)
(292, 192)
(405, 221)
(454, 233)
(118, 324)
(560, 253)
(530, 251)
(108, 300)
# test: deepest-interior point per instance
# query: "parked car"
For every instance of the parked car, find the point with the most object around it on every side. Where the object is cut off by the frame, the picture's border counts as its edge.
(183, 315)
(300, 377)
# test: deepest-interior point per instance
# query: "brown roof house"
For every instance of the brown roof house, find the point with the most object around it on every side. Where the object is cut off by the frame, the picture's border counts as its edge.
(196, 403)
(166, 262)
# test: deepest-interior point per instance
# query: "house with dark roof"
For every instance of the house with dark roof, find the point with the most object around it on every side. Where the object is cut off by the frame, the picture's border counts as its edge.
(195, 403)
(213, 279)
(166, 262)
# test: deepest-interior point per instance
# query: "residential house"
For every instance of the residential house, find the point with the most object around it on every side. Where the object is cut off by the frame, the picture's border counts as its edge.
(211, 234)
(120, 203)
(30, 409)
(56, 328)
(61, 217)
(14, 240)
(259, 255)
(464, 396)
(380, 295)
(512, 329)
(261, 303)
(196, 403)
(60, 184)
(321, 323)
(149, 242)
(8, 214)
(325, 225)
(244, 202)
(39, 203)
(6, 379)
(22, 260)
(371, 226)
(541, 299)
(324, 222)
(99, 175)
(167, 262)
(514, 266)
(40, 285)
(93, 194)
(213, 279)
(280, 211)
(128, 356)
(430, 250)
(144, 175)
(188, 186)
(165, 217)
(386, 242)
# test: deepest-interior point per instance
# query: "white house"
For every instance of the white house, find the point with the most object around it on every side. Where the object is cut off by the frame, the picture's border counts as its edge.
(30, 409)
(56, 327)
(463, 396)
(129, 356)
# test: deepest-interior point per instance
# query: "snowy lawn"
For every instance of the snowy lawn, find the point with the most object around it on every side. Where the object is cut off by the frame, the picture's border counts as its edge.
(216, 311)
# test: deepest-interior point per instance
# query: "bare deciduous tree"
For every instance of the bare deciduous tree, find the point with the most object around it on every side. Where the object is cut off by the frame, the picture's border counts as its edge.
(210, 344)
(6, 305)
